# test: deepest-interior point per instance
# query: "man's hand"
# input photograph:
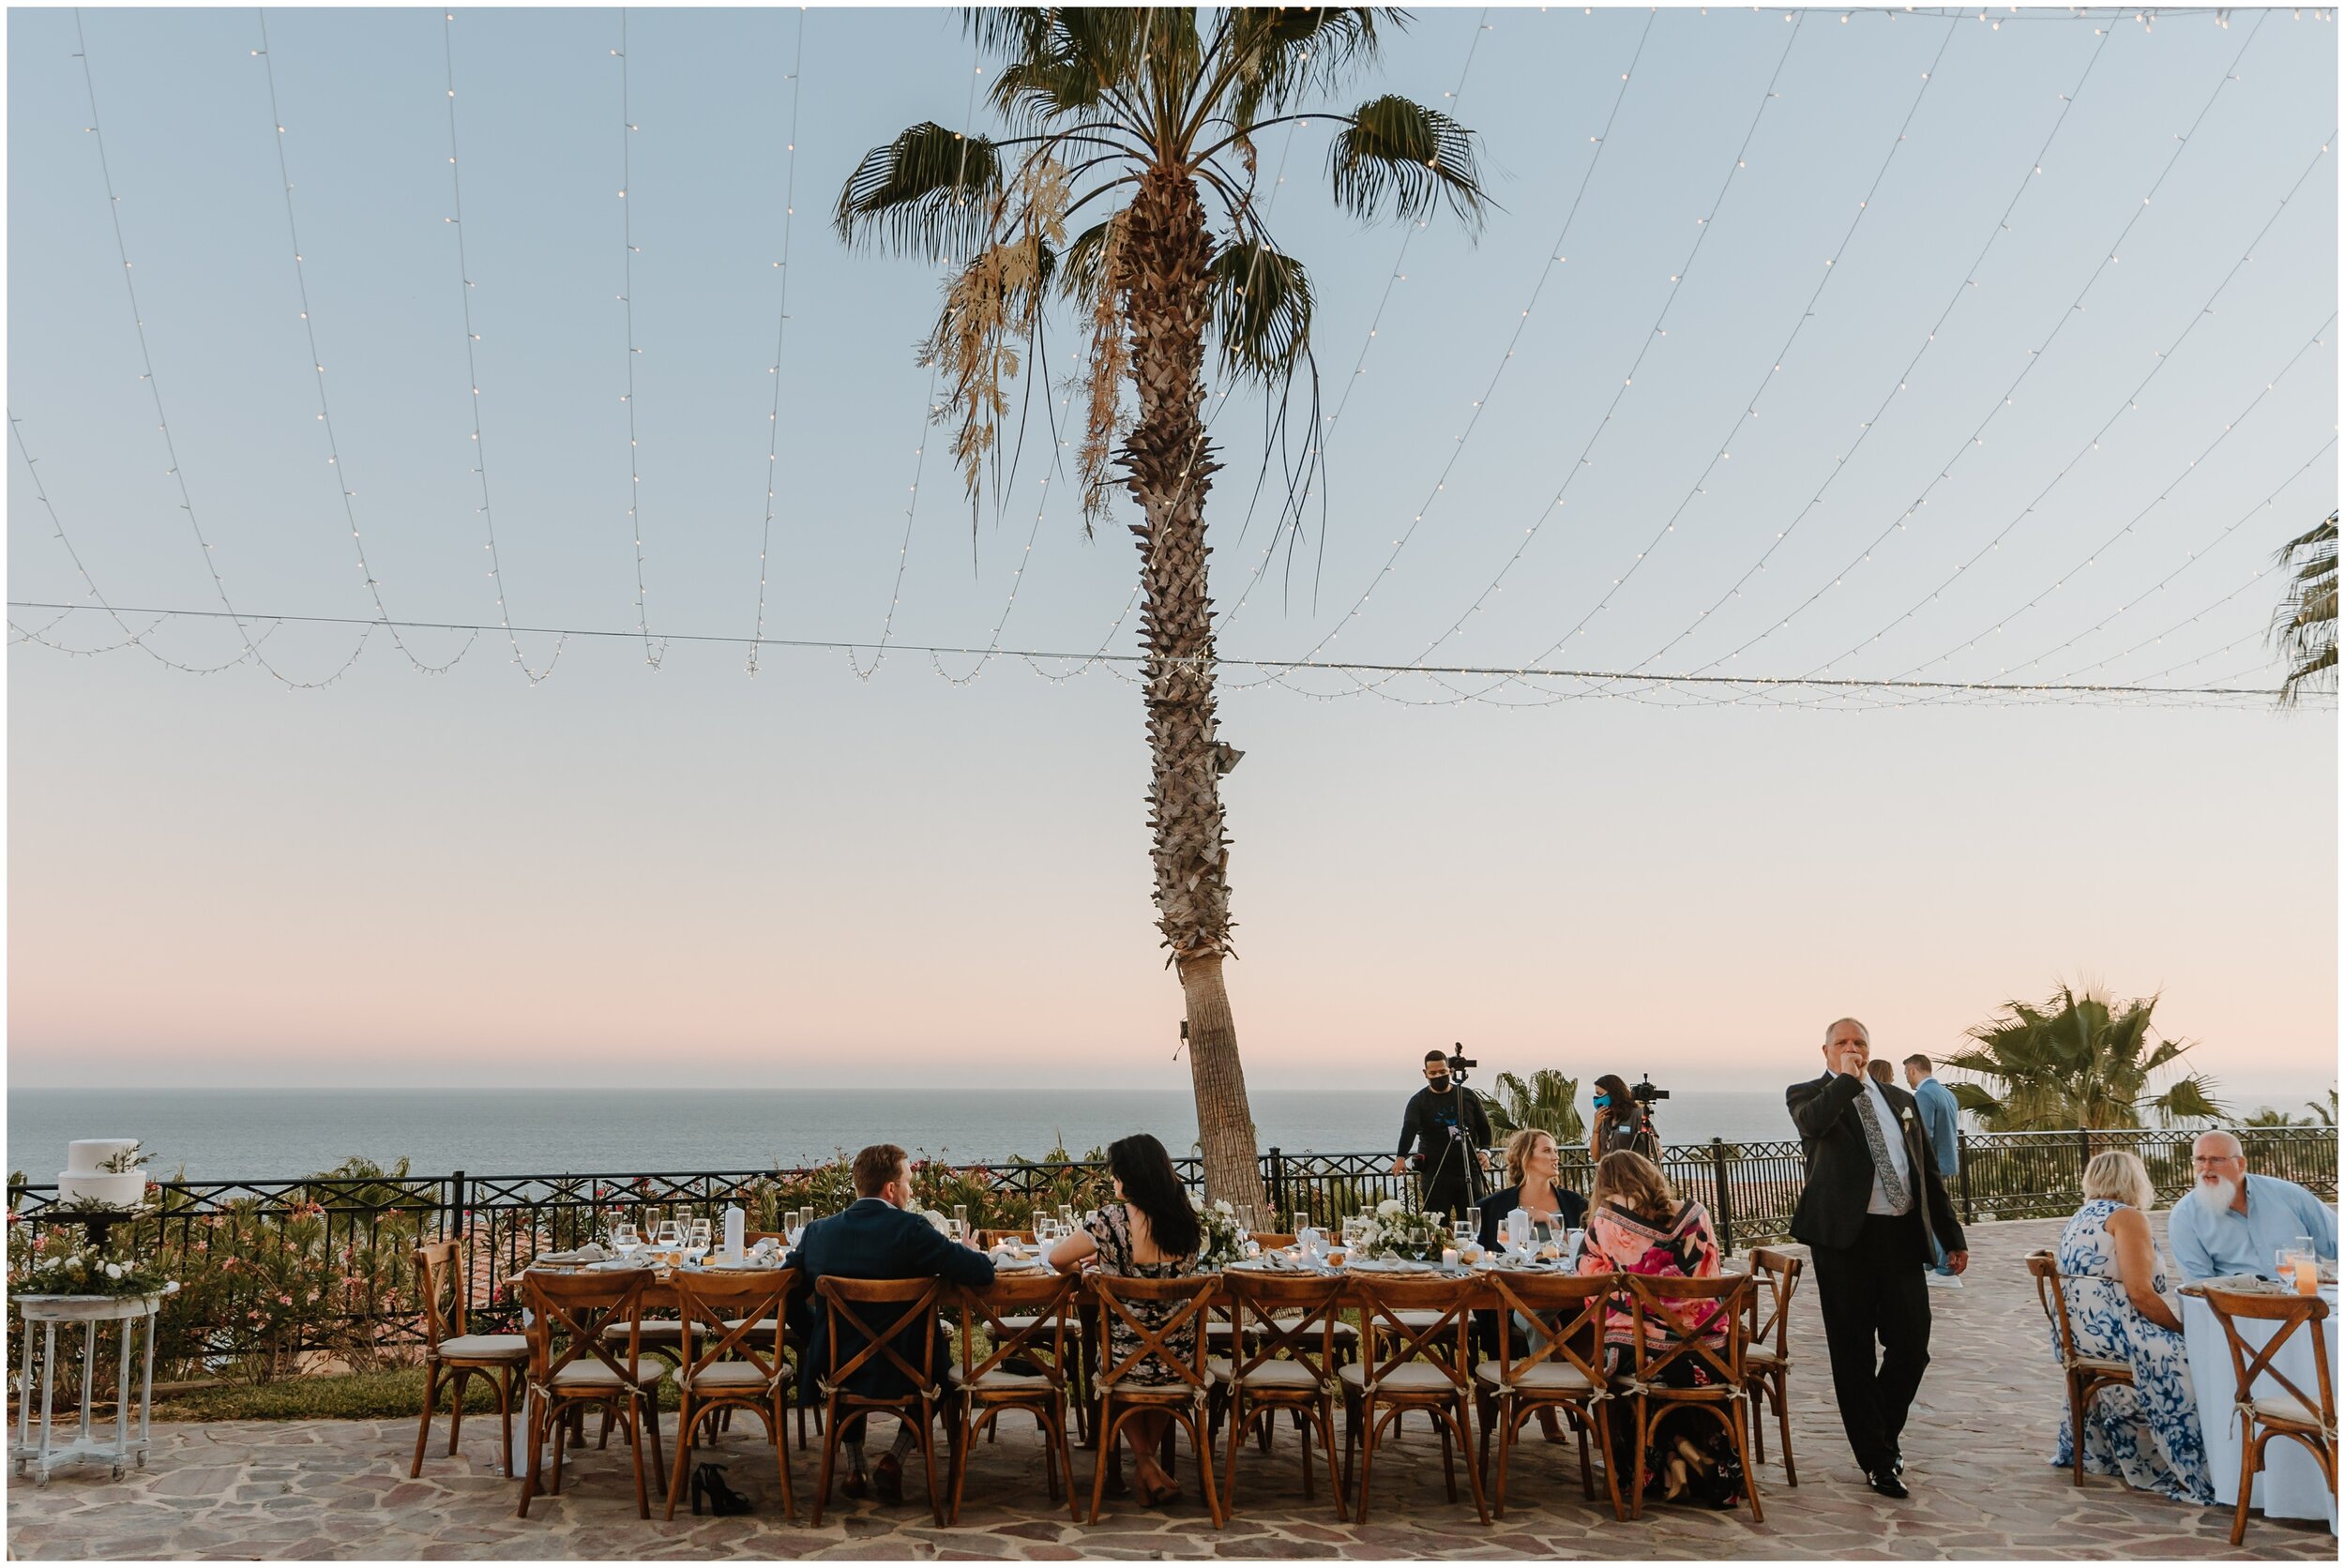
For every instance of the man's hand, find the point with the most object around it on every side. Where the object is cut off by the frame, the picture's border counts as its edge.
(1848, 1059)
(1958, 1261)
(1400, 1165)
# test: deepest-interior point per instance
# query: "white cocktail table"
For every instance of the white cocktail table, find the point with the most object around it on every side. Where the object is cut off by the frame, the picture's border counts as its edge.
(2290, 1485)
(88, 1311)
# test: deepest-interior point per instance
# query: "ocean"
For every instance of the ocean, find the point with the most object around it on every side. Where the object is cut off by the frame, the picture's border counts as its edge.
(265, 1134)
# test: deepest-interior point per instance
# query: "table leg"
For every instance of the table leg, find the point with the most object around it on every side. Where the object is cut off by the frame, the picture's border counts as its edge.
(24, 1399)
(122, 1400)
(89, 1367)
(48, 1392)
(146, 1384)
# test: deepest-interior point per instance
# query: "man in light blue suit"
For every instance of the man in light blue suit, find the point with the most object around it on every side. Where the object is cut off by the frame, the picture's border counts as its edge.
(1941, 1120)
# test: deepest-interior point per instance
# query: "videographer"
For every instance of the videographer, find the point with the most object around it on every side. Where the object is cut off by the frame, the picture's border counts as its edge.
(1450, 1132)
(1624, 1119)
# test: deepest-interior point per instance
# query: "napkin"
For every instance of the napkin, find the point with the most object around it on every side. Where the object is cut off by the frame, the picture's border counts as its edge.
(591, 1253)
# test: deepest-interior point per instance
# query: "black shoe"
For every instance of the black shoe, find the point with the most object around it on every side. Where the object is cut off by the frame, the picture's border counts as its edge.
(724, 1500)
(887, 1480)
(1897, 1463)
(1885, 1481)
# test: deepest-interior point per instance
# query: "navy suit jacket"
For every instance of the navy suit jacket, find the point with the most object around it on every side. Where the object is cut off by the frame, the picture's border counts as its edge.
(872, 1239)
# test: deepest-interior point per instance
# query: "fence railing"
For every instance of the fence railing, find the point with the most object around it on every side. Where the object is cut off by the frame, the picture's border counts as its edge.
(272, 1269)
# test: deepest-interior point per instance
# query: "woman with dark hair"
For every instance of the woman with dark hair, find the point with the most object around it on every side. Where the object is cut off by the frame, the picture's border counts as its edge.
(1150, 1232)
(1620, 1121)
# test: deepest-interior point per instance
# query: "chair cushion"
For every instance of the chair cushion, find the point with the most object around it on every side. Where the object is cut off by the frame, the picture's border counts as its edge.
(726, 1376)
(1270, 1374)
(484, 1347)
(2295, 1412)
(765, 1325)
(1414, 1377)
(1760, 1358)
(1001, 1380)
(1418, 1318)
(653, 1328)
(590, 1373)
(1547, 1376)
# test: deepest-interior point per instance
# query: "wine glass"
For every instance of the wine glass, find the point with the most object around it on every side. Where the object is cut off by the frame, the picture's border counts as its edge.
(670, 1237)
(1463, 1231)
(961, 1221)
(704, 1234)
(625, 1240)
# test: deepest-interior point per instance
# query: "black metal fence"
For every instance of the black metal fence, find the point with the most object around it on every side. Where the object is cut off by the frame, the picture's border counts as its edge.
(279, 1268)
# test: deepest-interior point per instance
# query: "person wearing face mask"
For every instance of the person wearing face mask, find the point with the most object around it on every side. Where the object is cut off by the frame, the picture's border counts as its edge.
(1620, 1121)
(1450, 1132)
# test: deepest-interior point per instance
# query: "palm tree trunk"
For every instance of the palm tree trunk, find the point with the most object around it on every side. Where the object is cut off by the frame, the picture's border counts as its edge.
(1169, 468)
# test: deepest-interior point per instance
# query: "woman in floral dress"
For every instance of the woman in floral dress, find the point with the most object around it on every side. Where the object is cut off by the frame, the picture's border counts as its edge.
(1637, 1225)
(1151, 1232)
(2148, 1433)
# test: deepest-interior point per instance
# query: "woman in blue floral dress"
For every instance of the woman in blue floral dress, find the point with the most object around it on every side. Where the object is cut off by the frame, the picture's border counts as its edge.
(2148, 1433)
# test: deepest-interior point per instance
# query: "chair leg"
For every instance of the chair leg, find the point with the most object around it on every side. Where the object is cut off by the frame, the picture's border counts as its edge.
(968, 1426)
(1741, 1427)
(2075, 1430)
(1783, 1414)
(635, 1421)
(1324, 1414)
(1106, 1424)
(561, 1434)
(505, 1416)
(1636, 1493)
(1236, 1417)
(456, 1404)
(1507, 1417)
(423, 1431)
(1454, 1413)
(683, 1451)
(779, 1427)
(535, 1419)
(2249, 1455)
(830, 1458)
(1067, 1460)
(1579, 1418)
(1449, 1458)
(1756, 1392)
(927, 1457)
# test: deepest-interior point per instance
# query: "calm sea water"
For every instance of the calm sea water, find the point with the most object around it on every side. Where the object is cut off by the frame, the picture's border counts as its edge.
(237, 1134)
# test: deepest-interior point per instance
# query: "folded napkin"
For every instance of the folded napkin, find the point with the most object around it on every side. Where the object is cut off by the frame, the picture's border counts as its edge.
(2254, 1284)
(591, 1253)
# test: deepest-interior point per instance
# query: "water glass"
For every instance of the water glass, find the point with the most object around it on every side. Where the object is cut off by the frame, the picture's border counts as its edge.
(703, 1234)
(624, 1240)
(670, 1237)
(961, 1221)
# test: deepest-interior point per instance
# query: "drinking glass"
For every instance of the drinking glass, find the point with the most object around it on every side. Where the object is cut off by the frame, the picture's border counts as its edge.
(1473, 1221)
(1463, 1231)
(671, 1235)
(1067, 1217)
(704, 1235)
(1302, 1222)
(624, 1240)
(961, 1221)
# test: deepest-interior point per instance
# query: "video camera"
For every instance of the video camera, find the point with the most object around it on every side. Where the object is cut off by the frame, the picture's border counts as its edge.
(1644, 1093)
(1459, 1061)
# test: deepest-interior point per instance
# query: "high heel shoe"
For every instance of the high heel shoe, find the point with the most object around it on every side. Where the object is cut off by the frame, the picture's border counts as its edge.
(708, 1481)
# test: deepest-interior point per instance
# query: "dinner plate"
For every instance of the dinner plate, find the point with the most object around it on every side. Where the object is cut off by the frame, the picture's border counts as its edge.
(1393, 1265)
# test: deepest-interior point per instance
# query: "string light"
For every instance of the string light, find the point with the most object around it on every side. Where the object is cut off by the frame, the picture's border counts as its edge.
(472, 369)
(781, 325)
(2132, 401)
(627, 303)
(1866, 428)
(343, 482)
(154, 388)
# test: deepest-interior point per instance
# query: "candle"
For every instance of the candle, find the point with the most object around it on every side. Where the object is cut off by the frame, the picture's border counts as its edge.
(1449, 1258)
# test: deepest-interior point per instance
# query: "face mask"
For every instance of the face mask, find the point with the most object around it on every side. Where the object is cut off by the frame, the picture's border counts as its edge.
(1603, 1102)
(1438, 1085)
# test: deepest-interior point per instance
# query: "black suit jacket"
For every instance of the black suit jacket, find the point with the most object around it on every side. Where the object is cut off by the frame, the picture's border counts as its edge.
(873, 1240)
(1839, 1187)
(1570, 1207)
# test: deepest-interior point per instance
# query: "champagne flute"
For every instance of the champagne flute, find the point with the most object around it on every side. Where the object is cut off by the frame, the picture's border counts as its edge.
(961, 1221)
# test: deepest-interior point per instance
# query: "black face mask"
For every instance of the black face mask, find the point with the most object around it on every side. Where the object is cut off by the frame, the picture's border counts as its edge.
(1438, 1085)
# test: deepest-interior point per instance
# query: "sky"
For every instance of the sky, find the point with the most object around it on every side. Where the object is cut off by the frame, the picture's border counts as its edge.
(1562, 442)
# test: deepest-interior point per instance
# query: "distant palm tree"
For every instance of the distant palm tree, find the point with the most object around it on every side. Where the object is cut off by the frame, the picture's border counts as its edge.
(2267, 1116)
(2305, 625)
(2079, 1060)
(1156, 110)
(2323, 1115)
(1550, 1102)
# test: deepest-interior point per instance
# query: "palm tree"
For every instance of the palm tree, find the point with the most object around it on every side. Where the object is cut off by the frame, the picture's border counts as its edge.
(2323, 1115)
(2079, 1060)
(1549, 1102)
(2305, 625)
(1148, 117)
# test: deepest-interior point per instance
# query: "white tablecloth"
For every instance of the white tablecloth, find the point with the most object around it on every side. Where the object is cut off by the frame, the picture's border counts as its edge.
(2289, 1485)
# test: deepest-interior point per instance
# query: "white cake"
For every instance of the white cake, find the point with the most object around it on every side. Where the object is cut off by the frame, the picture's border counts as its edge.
(85, 1182)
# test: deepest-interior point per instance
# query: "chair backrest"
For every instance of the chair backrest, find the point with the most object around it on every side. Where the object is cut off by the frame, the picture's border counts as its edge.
(1777, 1274)
(1192, 1297)
(842, 1300)
(995, 1238)
(440, 1287)
(1267, 1240)
(1572, 1305)
(1686, 1312)
(570, 1313)
(2291, 1312)
(1307, 1337)
(2052, 1294)
(707, 1299)
(1041, 1340)
(1382, 1297)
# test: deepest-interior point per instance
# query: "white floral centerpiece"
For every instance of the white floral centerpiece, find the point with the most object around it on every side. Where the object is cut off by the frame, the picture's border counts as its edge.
(1393, 1231)
(1225, 1240)
(85, 1270)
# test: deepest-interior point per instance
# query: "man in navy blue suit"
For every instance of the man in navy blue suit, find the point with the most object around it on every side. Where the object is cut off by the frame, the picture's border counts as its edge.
(876, 1237)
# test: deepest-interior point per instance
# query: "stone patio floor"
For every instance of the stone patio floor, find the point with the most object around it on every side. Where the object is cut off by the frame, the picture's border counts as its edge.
(1979, 1455)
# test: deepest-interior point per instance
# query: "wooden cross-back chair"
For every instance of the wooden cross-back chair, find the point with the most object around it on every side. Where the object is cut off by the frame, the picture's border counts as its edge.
(1412, 1357)
(1283, 1358)
(2291, 1412)
(1121, 1398)
(2083, 1376)
(734, 1359)
(1767, 1346)
(843, 1303)
(453, 1354)
(575, 1363)
(1686, 1311)
(1562, 1371)
(1022, 1317)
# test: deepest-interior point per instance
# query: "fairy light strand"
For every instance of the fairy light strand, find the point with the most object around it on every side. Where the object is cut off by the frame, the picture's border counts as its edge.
(344, 485)
(781, 325)
(626, 309)
(486, 510)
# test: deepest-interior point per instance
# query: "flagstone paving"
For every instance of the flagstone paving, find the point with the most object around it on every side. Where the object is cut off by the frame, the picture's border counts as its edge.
(1978, 1453)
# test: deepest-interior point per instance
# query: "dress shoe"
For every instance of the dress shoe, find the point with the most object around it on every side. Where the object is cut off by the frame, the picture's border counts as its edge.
(1897, 1462)
(887, 1480)
(856, 1485)
(1885, 1481)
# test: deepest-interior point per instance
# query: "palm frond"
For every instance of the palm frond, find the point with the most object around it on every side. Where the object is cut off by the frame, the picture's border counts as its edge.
(1278, 52)
(2304, 627)
(1262, 310)
(931, 193)
(1406, 159)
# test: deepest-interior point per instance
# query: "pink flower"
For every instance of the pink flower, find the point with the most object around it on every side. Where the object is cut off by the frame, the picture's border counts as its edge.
(284, 1300)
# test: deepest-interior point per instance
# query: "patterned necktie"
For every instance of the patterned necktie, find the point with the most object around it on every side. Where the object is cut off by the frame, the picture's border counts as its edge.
(1878, 1141)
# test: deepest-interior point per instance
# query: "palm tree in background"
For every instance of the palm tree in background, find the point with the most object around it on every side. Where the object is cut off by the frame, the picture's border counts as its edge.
(2080, 1060)
(1141, 122)
(1549, 1102)
(2305, 625)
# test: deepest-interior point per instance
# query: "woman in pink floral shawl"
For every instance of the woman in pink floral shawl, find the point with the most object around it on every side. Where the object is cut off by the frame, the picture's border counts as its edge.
(1637, 1225)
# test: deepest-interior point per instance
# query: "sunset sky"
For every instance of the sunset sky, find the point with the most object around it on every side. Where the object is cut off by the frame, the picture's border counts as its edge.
(684, 874)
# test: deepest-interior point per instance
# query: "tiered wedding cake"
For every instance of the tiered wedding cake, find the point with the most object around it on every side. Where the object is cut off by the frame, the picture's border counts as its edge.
(86, 1182)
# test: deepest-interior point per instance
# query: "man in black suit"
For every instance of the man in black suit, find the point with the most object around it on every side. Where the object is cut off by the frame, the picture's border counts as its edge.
(876, 1237)
(1872, 1200)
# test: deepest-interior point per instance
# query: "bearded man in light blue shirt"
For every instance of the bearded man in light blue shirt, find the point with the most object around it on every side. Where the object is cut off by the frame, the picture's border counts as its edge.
(2234, 1223)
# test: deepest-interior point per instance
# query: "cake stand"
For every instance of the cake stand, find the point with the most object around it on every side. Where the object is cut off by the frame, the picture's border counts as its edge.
(88, 1311)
